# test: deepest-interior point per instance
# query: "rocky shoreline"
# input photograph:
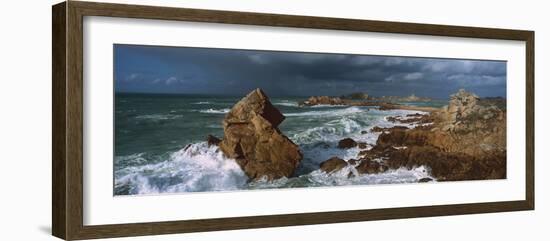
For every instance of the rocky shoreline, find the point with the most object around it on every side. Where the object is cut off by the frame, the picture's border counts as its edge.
(382, 105)
(465, 140)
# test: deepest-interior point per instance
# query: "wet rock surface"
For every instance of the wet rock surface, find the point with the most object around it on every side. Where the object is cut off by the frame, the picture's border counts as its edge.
(212, 140)
(465, 141)
(253, 139)
(333, 164)
(346, 143)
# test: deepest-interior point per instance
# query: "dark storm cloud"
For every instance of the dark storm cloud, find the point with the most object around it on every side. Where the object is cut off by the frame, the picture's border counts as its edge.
(235, 72)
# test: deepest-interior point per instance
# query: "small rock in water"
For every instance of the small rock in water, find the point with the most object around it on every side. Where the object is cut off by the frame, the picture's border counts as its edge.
(362, 145)
(347, 143)
(333, 164)
(426, 179)
(353, 161)
(371, 167)
(377, 129)
(212, 140)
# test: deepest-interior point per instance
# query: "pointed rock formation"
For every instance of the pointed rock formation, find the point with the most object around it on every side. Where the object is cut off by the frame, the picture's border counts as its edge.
(252, 137)
(466, 141)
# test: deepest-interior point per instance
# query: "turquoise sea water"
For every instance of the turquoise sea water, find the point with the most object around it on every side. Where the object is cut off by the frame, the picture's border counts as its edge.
(151, 131)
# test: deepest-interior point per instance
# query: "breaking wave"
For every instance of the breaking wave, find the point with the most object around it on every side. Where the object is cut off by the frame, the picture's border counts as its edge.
(199, 167)
(328, 113)
(286, 103)
(194, 168)
(215, 111)
(346, 176)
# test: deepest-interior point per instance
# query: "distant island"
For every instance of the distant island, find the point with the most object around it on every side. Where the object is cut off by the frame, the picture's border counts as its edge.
(363, 99)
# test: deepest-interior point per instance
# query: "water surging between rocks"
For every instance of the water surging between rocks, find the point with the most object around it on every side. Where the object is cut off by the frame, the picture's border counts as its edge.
(199, 167)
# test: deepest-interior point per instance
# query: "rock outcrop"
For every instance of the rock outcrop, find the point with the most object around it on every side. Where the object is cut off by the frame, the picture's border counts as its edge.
(333, 164)
(347, 143)
(323, 100)
(382, 104)
(252, 137)
(212, 140)
(466, 141)
(464, 108)
(370, 167)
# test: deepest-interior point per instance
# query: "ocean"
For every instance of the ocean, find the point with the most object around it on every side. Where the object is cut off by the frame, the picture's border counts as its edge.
(152, 132)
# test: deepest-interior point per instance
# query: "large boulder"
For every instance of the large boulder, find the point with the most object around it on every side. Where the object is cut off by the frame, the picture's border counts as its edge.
(252, 137)
(465, 107)
(461, 104)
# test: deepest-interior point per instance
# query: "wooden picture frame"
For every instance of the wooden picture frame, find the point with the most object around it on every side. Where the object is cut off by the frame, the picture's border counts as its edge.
(67, 150)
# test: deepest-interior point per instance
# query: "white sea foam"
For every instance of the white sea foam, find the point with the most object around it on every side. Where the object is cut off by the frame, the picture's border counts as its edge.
(159, 117)
(194, 168)
(202, 103)
(338, 112)
(131, 160)
(327, 106)
(215, 111)
(340, 178)
(286, 103)
(346, 176)
(202, 168)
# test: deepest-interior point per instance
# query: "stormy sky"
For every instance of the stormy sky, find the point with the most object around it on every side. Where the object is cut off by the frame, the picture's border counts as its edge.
(154, 69)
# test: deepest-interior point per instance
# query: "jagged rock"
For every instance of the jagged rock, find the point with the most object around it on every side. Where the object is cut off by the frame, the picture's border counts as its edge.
(252, 137)
(450, 166)
(411, 118)
(463, 109)
(333, 164)
(323, 100)
(362, 145)
(353, 161)
(466, 141)
(380, 129)
(370, 167)
(212, 140)
(347, 143)
(377, 129)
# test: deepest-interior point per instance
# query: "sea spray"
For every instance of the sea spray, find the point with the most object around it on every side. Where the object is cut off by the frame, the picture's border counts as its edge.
(194, 168)
(158, 162)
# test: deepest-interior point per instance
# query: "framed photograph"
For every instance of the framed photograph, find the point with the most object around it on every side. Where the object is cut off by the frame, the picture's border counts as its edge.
(171, 120)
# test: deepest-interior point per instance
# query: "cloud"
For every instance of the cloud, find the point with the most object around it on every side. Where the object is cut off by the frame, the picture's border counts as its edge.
(132, 77)
(234, 72)
(478, 80)
(171, 80)
(413, 76)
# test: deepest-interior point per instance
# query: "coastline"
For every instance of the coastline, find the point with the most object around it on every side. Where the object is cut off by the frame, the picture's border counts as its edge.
(379, 146)
(465, 140)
